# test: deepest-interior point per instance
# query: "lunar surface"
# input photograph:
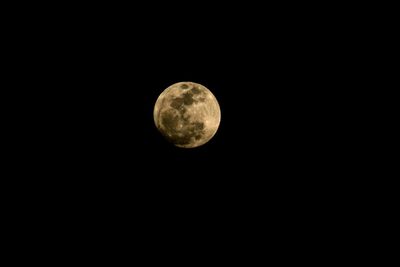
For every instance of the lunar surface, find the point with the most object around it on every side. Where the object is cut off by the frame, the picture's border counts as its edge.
(187, 114)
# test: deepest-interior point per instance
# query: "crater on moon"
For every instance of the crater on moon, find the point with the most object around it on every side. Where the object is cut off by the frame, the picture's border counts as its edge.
(187, 118)
(196, 90)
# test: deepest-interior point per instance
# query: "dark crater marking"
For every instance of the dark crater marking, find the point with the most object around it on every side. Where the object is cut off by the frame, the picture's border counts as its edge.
(170, 121)
(188, 99)
(195, 90)
(192, 131)
(176, 103)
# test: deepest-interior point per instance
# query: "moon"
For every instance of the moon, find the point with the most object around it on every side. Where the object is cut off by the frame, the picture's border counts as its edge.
(187, 114)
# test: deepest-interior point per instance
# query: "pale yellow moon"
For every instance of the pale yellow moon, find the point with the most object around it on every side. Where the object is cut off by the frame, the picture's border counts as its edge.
(187, 114)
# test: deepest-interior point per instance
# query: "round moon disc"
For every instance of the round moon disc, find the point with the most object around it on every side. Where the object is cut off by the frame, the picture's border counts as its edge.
(187, 114)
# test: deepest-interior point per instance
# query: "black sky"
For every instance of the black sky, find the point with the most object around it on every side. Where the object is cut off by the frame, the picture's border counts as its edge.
(89, 162)
(95, 79)
(102, 76)
(267, 93)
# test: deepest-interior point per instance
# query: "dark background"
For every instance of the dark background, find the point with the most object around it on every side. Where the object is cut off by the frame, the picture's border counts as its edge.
(91, 149)
(94, 77)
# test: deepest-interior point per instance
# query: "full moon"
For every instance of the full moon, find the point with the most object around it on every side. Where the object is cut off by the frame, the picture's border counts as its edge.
(187, 114)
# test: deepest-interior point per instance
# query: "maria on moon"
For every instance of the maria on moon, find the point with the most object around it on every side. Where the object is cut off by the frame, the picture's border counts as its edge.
(187, 114)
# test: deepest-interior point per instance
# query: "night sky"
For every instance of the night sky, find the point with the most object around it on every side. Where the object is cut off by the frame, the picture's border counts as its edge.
(90, 137)
(269, 125)
(101, 86)
(101, 75)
